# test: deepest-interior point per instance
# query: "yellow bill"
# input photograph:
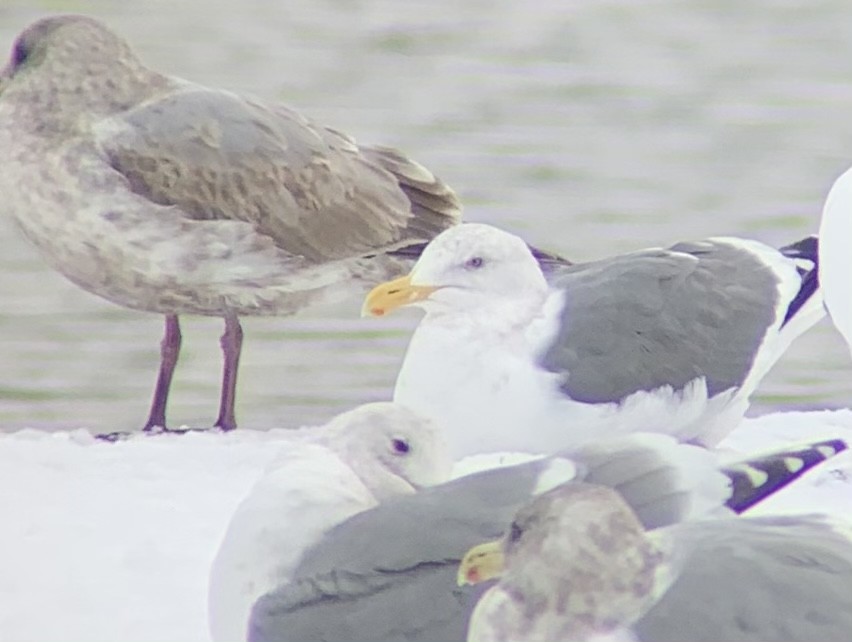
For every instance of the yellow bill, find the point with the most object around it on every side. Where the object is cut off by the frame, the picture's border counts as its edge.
(482, 562)
(390, 295)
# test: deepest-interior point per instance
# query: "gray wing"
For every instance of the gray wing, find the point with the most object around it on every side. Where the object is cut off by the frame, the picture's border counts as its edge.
(661, 317)
(753, 580)
(668, 483)
(390, 573)
(664, 482)
(311, 189)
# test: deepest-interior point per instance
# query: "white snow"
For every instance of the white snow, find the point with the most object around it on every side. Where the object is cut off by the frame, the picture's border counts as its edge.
(114, 541)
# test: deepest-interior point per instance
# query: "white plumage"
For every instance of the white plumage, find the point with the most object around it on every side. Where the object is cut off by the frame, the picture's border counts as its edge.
(495, 362)
(331, 473)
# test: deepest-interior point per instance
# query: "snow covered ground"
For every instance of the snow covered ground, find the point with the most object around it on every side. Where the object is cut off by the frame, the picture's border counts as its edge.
(113, 541)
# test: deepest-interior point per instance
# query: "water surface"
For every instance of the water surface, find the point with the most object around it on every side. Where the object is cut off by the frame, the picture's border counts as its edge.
(589, 128)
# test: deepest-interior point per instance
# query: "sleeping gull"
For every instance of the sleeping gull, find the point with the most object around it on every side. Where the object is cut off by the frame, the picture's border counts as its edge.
(389, 573)
(580, 566)
(166, 196)
(357, 460)
(835, 232)
(675, 340)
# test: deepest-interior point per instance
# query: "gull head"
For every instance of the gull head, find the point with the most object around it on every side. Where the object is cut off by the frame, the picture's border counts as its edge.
(572, 526)
(392, 449)
(462, 269)
(72, 63)
(579, 553)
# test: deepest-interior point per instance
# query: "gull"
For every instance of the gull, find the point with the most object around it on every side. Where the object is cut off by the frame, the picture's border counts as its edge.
(835, 231)
(389, 573)
(674, 340)
(357, 460)
(576, 564)
(166, 196)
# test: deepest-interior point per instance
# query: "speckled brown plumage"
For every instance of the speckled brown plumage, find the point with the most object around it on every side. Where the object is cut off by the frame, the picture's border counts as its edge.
(608, 569)
(169, 197)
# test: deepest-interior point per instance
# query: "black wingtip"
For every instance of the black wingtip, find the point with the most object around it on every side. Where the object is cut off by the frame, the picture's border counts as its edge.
(753, 480)
(545, 259)
(806, 249)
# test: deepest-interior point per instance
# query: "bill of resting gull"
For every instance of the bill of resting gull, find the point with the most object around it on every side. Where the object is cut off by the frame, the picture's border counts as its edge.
(672, 339)
(389, 573)
(166, 196)
(835, 258)
(580, 566)
(360, 458)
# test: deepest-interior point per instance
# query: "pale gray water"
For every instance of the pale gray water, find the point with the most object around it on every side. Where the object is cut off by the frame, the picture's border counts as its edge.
(588, 127)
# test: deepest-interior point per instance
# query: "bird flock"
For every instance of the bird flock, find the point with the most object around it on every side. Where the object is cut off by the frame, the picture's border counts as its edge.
(609, 383)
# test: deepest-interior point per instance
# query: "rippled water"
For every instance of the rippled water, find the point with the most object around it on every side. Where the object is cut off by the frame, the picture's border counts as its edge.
(590, 128)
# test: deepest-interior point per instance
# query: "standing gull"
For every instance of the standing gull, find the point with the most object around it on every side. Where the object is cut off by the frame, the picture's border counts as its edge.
(389, 573)
(580, 566)
(357, 460)
(166, 196)
(674, 340)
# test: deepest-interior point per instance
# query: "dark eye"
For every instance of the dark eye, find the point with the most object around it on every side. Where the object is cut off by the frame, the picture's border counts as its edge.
(474, 263)
(515, 533)
(400, 446)
(19, 54)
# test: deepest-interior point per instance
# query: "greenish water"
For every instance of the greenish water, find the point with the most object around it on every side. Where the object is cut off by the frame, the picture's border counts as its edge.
(590, 128)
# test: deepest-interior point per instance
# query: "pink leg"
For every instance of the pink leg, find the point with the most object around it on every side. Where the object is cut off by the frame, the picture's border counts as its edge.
(169, 352)
(232, 343)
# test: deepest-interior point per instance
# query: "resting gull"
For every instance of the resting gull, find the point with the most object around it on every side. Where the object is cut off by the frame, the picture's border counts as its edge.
(672, 339)
(360, 458)
(166, 196)
(390, 573)
(580, 566)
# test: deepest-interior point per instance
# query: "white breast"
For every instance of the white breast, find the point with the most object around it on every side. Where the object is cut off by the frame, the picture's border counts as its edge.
(488, 393)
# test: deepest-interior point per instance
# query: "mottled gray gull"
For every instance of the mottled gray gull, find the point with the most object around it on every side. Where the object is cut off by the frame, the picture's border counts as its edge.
(579, 566)
(166, 196)
(358, 459)
(389, 573)
(674, 340)
(835, 233)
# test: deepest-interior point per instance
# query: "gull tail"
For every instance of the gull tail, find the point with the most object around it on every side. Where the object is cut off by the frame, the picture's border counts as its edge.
(434, 205)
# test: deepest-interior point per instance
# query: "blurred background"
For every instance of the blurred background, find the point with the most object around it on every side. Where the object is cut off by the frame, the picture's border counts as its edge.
(588, 128)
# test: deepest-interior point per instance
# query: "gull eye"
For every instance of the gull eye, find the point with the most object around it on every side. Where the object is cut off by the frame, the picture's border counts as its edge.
(474, 263)
(19, 54)
(400, 446)
(515, 533)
